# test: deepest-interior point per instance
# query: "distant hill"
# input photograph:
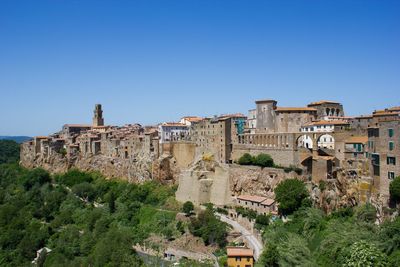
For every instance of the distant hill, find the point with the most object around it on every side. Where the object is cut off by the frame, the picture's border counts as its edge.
(18, 139)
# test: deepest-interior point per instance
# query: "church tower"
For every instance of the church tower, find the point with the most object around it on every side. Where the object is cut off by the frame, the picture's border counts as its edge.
(98, 116)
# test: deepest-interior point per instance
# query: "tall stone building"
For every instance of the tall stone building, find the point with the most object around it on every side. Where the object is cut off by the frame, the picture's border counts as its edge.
(384, 148)
(98, 119)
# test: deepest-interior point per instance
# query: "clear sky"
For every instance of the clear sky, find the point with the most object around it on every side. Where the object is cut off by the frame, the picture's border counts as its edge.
(152, 61)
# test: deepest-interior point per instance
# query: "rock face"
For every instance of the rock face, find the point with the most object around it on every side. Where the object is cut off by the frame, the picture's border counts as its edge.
(250, 180)
(141, 168)
(348, 189)
(209, 181)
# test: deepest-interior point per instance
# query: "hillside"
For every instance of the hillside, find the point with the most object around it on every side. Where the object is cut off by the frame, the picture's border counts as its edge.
(18, 139)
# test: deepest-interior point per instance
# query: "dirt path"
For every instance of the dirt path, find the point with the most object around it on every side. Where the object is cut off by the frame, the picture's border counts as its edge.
(252, 240)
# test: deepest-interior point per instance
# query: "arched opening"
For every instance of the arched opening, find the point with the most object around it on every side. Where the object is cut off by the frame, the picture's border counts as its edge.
(304, 141)
(326, 141)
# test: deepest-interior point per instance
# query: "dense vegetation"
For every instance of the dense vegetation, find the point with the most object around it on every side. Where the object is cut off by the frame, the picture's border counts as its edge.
(84, 219)
(291, 194)
(207, 226)
(9, 151)
(348, 237)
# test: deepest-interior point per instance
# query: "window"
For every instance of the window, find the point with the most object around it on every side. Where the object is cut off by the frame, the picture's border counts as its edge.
(391, 145)
(391, 175)
(391, 132)
(391, 160)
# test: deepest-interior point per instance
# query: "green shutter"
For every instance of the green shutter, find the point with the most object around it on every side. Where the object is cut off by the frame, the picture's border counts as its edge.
(391, 145)
(391, 132)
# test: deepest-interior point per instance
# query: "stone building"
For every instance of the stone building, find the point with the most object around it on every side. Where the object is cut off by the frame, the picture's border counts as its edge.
(217, 135)
(260, 204)
(326, 109)
(384, 148)
(98, 119)
(270, 118)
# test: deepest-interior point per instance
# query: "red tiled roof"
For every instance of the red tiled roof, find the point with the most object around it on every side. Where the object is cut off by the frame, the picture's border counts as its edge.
(257, 199)
(239, 252)
(322, 102)
(268, 202)
(289, 109)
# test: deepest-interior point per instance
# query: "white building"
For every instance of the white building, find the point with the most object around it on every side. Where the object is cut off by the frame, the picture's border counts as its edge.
(172, 131)
(251, 123)
(323, 126)
(188, 120)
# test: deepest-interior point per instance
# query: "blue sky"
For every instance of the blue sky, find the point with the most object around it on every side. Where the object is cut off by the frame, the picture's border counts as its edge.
(152, 61)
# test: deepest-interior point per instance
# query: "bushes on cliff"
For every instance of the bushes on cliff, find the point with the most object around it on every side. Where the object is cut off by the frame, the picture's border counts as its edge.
(262, 160)
(246, 159)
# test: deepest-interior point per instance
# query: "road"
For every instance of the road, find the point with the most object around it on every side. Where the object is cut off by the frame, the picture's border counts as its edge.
(251, 239)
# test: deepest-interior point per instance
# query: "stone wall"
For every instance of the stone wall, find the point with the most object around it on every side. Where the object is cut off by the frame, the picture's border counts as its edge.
(212, 182)
(281, 156)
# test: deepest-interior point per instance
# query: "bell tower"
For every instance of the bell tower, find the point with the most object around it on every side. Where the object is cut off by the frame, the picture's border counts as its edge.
(98, 119)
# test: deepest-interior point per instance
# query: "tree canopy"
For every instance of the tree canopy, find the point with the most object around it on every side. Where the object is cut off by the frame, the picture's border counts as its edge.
(290, 194)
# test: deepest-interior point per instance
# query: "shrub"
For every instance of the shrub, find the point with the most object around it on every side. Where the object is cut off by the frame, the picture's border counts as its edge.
(246, 159)
(187, 208)
(264, 160)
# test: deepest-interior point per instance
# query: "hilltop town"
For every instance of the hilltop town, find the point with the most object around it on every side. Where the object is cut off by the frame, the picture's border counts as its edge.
(354, 156)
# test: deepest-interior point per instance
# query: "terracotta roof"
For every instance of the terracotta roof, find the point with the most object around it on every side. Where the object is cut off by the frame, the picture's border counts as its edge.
(236, 115)
(288, 109)
(41, 137)
(79, 125)
(363, 117)
(257, 199)
(239, 252)
(357, 139)
(322, 122)
(192, 118)
(173, 124)
(268, 202)
(322, 102)
(381, 114)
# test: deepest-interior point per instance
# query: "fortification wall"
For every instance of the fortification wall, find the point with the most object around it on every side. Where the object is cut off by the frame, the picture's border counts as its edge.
(281, 156)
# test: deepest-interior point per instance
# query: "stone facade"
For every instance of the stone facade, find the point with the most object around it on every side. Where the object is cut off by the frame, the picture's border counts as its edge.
(384, 149)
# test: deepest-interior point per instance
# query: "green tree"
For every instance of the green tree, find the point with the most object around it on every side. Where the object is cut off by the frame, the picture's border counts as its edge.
(394, 189)
(270, 256)
(246, 159)
(188, 207)
(84, 190)
(209, 228)
(9, 151)
(290, 194)
(364, 254)
(264, 160)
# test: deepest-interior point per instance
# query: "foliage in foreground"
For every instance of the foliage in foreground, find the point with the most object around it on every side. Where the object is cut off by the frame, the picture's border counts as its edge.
(84, 219)
(347, 237)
